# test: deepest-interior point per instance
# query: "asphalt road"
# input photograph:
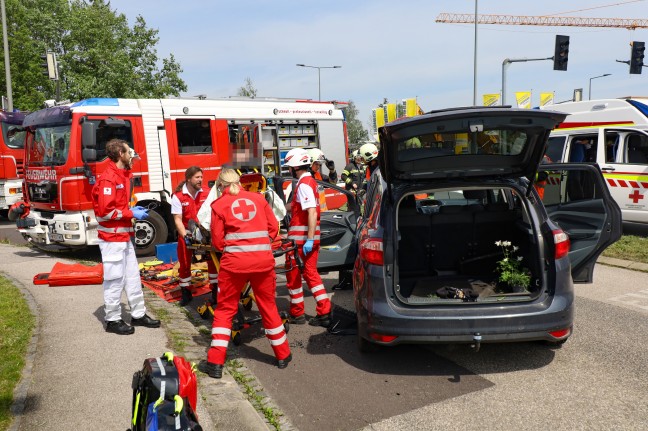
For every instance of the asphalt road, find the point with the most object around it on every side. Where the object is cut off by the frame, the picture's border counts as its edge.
(596, 381)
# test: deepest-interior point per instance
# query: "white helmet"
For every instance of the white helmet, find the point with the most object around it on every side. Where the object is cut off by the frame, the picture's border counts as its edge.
(368, 152)
(296, 158)
(355, 154)
(316, 155)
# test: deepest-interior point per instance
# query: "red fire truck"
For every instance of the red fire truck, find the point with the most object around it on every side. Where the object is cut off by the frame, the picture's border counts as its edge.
(12, 142)
(65, 153)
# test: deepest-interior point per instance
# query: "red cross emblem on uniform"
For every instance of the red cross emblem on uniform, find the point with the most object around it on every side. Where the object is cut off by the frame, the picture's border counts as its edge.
(244, 209)
(635, 196)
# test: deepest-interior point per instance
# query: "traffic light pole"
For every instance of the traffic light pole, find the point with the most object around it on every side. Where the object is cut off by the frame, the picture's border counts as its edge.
(505, 64)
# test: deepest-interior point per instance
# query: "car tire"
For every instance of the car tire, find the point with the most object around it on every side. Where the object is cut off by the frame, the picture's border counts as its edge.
(149, 233)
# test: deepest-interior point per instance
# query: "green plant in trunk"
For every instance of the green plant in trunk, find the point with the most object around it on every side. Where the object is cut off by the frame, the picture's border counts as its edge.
(510, 269)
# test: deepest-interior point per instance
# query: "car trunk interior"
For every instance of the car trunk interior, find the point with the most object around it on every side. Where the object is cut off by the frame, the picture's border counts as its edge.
(450, 243)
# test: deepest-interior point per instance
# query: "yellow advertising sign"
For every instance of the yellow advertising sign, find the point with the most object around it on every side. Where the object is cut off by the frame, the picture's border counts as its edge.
(546, 99)
(523, 99)
(491, 99)
(411, 108)
(391, 112)
(380, 117)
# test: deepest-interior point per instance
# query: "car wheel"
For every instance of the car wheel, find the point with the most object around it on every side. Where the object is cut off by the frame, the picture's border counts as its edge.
(148, 233)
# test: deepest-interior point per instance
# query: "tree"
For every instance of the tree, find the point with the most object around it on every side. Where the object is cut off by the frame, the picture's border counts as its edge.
(99, 55)
(357, 133)
(247, 90)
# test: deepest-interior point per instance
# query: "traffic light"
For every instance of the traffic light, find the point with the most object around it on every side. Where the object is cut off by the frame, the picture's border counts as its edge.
(636, 57)
(49, 65)
(561, 53)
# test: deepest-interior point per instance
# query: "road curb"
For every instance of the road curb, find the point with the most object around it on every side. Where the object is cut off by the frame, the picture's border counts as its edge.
(621, 263)
(21, 389)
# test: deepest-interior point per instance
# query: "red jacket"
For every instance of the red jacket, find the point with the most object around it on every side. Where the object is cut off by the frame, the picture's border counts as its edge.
(241, 228)
(190, 206)
(298, 229)
(110, 199)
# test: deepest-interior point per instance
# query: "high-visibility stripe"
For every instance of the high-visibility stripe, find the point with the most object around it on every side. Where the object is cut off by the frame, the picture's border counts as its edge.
(247, 235)
(296, 300)
(246, 248)
(110, 215)
(321, 297)
(220, 343)
(301, 228)
(274, 331)
(115, 229)
(295, 291)
(221, 331)
(278, 341)
(304, 237)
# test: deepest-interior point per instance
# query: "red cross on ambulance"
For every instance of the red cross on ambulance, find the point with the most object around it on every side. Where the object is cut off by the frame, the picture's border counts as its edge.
(635, 196)
(243, 209)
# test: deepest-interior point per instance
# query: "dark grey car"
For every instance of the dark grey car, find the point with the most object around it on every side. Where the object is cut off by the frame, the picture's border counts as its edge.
(453, 212)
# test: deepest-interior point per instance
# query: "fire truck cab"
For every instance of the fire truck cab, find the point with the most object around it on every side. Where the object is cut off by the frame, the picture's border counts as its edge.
(612, 133)
(12, 143)
(65, 153)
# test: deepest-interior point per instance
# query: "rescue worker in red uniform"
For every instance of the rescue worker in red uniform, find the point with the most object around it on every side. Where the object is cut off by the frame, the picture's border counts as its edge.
(110, 198)
(243, 227)
(185, 203)
(304, 229)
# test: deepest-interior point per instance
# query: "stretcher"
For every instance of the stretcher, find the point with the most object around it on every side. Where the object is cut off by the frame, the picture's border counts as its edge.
(280, 247)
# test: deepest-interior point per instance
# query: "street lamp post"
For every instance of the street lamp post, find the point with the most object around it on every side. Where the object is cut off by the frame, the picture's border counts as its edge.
(5, 41)
(505, 64)
(319, 80)
(590, 84)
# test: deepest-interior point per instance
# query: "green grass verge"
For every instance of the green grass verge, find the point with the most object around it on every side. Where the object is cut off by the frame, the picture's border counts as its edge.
(629, 247)
(16, 326)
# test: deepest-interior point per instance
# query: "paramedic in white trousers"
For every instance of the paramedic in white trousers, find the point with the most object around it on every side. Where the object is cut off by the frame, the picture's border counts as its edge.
(243, 227)
(110, 198)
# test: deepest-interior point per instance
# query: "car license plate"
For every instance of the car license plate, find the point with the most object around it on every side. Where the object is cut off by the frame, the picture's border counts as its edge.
(56, 237)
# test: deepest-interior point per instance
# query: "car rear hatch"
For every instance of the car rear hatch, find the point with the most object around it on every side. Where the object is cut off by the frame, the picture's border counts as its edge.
(466, 142)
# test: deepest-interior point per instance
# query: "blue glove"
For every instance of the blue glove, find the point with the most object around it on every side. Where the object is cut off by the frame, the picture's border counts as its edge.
(140, 213)
(308, 246)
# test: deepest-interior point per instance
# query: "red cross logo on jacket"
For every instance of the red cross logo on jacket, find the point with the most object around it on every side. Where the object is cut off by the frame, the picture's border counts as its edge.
(243, 209)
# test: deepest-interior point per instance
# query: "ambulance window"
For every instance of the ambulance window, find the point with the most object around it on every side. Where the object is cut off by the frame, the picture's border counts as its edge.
(105, 134)
(611, 146)
(194, 136)
(636, 149)
(555, 148)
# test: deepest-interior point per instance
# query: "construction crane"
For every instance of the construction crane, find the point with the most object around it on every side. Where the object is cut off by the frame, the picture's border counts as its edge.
(555, 21)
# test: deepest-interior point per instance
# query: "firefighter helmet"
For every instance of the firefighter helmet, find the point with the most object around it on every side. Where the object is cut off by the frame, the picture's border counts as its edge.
(369, 152)
(296, 158)
(316, 155)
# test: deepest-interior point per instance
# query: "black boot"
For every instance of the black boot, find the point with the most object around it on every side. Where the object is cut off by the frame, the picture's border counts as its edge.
(119, 327)
(283, 363)
(215, 371)
(186, 296)
(321, 320)
(145, 320)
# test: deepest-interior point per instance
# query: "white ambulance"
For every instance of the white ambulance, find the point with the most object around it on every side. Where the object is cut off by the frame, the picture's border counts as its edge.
(614, 134)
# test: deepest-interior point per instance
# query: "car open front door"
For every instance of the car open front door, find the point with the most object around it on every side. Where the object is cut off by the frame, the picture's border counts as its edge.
(577, 200)
(338, 217)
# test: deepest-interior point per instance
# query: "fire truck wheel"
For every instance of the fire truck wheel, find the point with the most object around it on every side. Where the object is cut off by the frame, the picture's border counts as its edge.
(148, 233)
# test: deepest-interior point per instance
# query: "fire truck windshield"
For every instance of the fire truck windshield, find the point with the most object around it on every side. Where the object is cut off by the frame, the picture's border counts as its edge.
(48, 146)
(13, 135)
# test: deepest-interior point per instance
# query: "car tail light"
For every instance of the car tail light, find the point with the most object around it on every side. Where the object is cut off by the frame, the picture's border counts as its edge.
(383, 338)
(371, 251)
(560, 333)
(561, 243)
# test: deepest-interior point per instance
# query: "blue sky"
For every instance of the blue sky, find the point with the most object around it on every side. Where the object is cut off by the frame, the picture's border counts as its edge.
(388, 49)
